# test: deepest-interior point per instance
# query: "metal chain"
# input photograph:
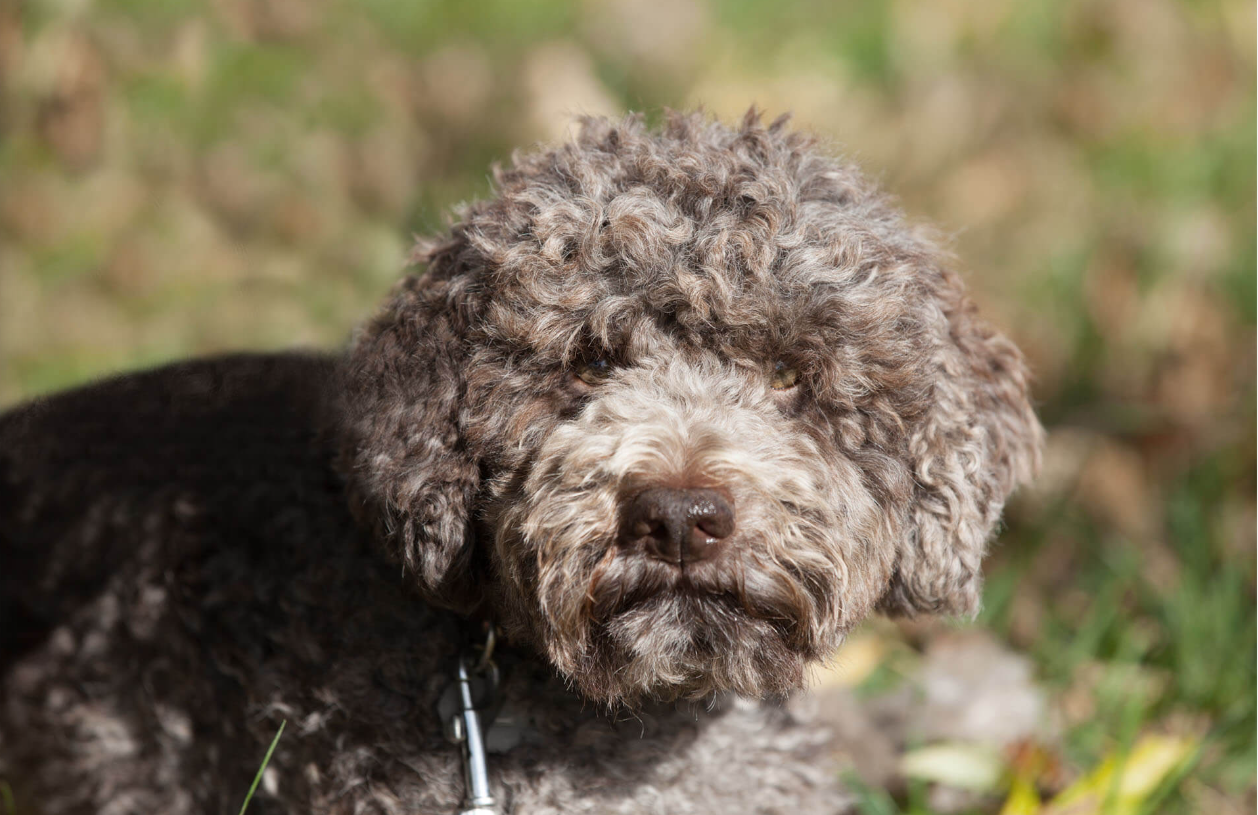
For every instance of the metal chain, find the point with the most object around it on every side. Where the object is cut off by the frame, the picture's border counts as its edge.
(465, 728)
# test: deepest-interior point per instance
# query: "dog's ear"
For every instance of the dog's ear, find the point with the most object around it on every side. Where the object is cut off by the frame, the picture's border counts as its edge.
(411, 477)
(977, 439)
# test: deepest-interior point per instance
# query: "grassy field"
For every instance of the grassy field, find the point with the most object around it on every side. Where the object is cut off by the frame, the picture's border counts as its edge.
(185, 176)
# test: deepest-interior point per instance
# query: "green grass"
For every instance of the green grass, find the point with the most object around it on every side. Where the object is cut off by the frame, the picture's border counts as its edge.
(266, 760)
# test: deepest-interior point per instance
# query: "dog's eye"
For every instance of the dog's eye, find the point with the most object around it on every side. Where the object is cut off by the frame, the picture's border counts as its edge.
(784, 377)
(594, 372)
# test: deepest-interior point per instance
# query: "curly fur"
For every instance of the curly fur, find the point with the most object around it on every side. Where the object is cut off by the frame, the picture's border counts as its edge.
(213, 564)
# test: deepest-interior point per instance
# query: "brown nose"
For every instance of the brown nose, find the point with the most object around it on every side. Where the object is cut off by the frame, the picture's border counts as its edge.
(678, 525)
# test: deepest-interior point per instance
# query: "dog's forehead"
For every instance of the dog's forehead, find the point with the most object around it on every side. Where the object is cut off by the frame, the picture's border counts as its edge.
(637, 282)
(749, 239)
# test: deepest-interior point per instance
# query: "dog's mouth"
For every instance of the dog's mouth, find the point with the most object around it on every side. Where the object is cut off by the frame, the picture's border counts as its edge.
(699, 596)
(685, 642)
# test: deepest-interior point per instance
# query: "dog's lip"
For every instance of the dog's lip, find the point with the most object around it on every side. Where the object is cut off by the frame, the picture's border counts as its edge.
(700, 579)
(698, 596)
(686, 583)
(702, 583)
(615, 601)
(735, 584)
(706, 609)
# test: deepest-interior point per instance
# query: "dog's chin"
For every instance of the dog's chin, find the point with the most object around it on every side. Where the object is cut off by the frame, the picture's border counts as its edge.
(685, 645)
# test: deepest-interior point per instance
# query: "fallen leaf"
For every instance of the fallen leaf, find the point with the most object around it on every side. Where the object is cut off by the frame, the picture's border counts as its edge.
(1121, 784)
(965, 765)
(1022, 800)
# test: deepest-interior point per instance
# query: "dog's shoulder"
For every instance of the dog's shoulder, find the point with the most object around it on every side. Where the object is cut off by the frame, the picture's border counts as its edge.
(152, 466)
(134, 413)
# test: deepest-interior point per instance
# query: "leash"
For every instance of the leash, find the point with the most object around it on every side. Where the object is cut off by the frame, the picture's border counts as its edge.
(474, 691)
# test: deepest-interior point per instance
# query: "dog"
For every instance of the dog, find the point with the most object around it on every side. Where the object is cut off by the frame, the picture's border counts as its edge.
(560, 531)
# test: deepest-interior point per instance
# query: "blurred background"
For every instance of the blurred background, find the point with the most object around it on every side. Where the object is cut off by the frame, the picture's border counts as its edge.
(181, 177)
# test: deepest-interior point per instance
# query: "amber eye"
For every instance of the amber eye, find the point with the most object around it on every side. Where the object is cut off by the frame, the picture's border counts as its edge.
(784, 377)
(594, 372)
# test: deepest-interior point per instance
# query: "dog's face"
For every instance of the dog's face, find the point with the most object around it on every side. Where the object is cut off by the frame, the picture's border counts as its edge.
(681, 408)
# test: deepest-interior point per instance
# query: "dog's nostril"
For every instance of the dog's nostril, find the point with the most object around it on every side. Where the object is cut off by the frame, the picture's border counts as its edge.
(713, 516)
(714, 527)
(643, 528)
(678, 525)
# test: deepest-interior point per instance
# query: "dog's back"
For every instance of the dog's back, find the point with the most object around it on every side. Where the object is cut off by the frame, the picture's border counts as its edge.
(147, 466)
(148, 524)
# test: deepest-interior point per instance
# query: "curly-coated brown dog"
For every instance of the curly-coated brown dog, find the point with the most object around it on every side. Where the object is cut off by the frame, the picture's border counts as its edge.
(674, 411)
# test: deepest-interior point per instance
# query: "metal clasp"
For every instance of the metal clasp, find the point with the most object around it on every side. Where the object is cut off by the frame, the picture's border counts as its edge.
(476, 684)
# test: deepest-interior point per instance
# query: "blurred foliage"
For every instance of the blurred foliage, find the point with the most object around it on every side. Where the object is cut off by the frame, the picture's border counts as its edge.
(184, 176)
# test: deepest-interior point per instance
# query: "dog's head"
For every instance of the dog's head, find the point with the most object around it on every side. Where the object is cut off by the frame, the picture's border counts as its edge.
(679, 408)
